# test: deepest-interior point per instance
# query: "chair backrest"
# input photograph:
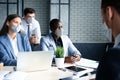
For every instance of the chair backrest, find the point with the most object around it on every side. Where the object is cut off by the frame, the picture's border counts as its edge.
(93, 51)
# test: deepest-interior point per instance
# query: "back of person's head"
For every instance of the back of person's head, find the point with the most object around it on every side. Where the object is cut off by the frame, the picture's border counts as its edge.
(5, 28)
(113, 3)
(28, 10)
(53, 24)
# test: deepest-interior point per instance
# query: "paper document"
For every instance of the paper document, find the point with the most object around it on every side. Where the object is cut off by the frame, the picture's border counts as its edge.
(2, 74)
(87, 63)
(14, 75)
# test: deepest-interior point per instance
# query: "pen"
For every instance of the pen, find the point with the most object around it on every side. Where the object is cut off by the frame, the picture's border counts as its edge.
(63, 69)
(7, 74)
(75, 56)
(86, 74)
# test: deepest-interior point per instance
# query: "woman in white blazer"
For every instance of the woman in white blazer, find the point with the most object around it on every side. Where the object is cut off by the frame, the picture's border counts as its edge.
(55, 38)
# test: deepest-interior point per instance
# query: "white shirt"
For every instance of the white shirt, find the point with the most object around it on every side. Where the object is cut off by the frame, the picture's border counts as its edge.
(34, 28)
(117, 40)
(14, 45)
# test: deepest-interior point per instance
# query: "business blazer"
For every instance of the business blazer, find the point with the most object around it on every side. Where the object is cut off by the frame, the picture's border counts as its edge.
(47, 43)
(109, 66)
(7, 55)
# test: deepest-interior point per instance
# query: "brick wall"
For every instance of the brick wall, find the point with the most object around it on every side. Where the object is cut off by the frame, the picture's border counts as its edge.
(42, 12)
(85, 19)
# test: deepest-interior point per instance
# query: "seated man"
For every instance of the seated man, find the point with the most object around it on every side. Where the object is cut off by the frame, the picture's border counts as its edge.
(55, 38)
(109, 66)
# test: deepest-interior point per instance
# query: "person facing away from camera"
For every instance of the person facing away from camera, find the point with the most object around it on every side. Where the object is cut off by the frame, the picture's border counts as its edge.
(109, 66)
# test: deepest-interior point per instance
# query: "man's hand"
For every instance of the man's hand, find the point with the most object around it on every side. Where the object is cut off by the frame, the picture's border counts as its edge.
(72, 59)
(76, 57)
(33, 40)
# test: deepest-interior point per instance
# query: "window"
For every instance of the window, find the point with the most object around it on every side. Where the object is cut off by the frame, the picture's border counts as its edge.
(60, 9)
(9, 7)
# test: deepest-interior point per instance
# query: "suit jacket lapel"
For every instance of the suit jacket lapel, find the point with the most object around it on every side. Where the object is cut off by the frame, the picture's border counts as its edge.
(63, 41)
(8, 44)
(53, 42)
(65, 45)
(19, 42)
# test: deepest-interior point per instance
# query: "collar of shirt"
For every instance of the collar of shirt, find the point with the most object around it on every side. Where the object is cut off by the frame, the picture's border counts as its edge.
(58, 42)
(24, 21)
(117, 40)
(14, 45)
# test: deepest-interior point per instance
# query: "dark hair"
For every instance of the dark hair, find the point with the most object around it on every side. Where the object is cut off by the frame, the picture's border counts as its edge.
(53, 24)
(28, 10)
(5, 29)
(113, 3)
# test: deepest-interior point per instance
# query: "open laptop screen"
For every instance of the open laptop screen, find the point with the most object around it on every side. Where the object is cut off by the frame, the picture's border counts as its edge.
(34, 61)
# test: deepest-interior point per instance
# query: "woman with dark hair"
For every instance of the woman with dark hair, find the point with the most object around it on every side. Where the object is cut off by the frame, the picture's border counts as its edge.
(12, 42)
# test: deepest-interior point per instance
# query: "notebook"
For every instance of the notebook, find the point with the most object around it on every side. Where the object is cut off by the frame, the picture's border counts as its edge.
(34, 61)
(88, 63)
(12, 75)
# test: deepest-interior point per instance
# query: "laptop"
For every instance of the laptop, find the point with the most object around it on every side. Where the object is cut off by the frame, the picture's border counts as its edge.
(34, 61)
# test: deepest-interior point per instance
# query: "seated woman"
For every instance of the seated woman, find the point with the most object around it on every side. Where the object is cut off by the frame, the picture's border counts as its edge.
(12, 42)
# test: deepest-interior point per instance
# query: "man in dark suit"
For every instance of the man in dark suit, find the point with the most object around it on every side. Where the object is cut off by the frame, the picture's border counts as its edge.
(109, 66)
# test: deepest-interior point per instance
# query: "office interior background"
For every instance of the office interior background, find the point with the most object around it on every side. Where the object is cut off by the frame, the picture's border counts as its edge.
(81, 18)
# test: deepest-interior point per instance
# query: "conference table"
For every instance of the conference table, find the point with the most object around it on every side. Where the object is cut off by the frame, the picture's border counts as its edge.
(55, 73)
